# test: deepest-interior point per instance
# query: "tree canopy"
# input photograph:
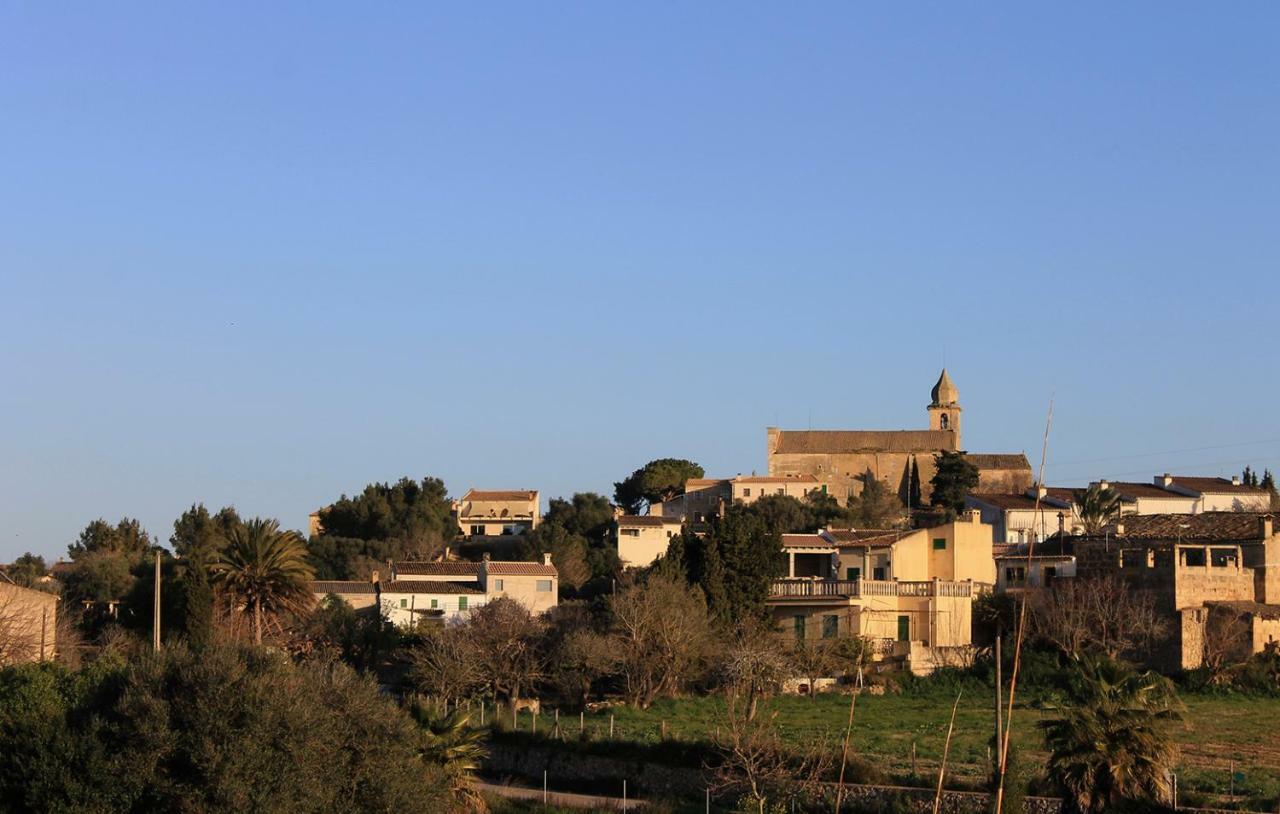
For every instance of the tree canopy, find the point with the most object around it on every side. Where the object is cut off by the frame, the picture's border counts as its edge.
(658, 480)
(405, 520)
(952, 481)
(877, 507)
(735, 561)
(126, 538)
(199, 534)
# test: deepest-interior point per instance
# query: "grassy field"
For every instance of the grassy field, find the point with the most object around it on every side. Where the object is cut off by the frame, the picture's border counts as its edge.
(1221, 734)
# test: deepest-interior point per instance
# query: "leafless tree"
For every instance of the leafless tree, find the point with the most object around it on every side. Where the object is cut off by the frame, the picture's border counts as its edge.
(444, 664)
(1099, 613)
(506, 644)
(756, 765)
(754, 665)
(814, 660)
(1224, 640)
(662, 634)
(583, 657)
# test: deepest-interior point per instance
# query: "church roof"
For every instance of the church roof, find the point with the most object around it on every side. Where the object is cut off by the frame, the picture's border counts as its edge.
(944, 393)
(846, 441)
(984, 460)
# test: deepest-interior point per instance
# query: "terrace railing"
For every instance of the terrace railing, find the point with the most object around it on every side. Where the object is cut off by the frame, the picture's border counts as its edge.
(857, 588)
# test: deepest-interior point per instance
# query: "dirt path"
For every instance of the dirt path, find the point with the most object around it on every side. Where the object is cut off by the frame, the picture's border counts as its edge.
(566, 799)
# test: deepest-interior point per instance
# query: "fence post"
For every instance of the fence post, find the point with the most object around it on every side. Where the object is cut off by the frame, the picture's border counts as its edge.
(610, 726)
(582, 722)
(534, 730)
(544, 787)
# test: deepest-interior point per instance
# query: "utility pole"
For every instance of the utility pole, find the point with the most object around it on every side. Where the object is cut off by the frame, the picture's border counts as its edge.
(999, 712)
(155, 620)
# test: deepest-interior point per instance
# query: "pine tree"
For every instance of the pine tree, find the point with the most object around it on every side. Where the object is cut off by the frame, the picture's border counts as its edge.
(197, 604)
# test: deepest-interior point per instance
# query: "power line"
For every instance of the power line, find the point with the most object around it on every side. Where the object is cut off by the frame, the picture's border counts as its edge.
(1168, 452)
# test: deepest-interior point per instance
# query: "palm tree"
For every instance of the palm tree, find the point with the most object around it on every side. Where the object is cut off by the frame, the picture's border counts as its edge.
(1113, 742)
(1099, 505)
(450, 742)
(265, 569)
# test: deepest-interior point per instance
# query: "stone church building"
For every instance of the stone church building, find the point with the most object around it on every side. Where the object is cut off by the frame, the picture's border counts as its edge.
(838, 458)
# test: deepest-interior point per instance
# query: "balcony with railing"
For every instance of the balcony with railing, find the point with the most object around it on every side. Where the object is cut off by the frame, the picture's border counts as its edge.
(860, 588)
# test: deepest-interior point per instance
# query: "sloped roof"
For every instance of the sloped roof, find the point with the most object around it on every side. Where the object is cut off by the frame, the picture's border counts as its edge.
(848, 441)
(1259, 609)
(1208, 526)
(522, 569)
(499, 494)
(1131, 491)
(1217, 486)
(696, 484)
(429, 586)
(440, 569)
(1024, 502)
(342, 586)
(805, 541)
(647, 520)
(998, 460)
(775, 479)
(867, 537)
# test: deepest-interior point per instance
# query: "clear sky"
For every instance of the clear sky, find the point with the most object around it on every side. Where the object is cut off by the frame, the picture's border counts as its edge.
(262, 255)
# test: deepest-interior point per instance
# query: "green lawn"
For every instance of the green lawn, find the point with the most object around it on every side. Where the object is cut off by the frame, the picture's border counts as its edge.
(1220, 733)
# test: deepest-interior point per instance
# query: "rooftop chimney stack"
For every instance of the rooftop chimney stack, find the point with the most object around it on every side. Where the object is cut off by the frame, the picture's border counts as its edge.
(1166, 480)
(1235, 480)
(546, 559)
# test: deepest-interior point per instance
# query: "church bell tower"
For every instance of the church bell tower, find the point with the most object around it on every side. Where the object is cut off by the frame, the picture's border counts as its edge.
(944, 407)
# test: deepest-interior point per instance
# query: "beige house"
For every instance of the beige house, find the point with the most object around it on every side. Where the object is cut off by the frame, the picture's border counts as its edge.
(356, 593)
(750, 488)
(1033, 516)
(497, 513)
(1148, 498)
(642, 539)
(1200, 569)
(447, 591)
(703, 499)
(28, 624)
(1218, 494)
(911, 592)
(838, 458)
(1048, 562)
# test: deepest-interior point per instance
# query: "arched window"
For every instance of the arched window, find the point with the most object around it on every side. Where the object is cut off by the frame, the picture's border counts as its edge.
(945, 422)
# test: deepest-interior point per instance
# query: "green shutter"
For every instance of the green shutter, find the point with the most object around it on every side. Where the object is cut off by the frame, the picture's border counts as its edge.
(462, 603)
(939, 543)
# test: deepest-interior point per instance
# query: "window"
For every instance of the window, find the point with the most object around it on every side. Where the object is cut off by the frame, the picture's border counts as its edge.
(1015, 575)
(630, 532)
(462, 603)
(477, 530)
(1193, 557)
(830, 626)
(544, 586)
(746, 493)
(945, 422)
(1137, 558)
(797, 623)
(1222, 557)
(852, 574)
(404, 603)
(435, 603)
(877, 573)
(939, 543)
(497, 585)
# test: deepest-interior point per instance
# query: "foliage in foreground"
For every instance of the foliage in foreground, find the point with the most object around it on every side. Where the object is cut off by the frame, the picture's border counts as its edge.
(229, 730)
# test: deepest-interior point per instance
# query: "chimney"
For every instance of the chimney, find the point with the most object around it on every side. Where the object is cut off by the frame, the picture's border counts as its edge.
(1266, 526)
(972, 516)
(1164, 481)
(1104, 484)
(546, 559)
(1042, 492)
(485, 556)
(1119, 529)
(1062, 524)
(1235, 480)
(374, 578)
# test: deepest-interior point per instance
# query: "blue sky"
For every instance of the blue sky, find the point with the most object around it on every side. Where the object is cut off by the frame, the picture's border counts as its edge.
(262, 257)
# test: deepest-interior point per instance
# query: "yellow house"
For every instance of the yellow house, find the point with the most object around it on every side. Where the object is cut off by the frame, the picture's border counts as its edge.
(749, 489)
(28, 621)
(911, 592)
(642, 539)
(497, 513)
(449, 591)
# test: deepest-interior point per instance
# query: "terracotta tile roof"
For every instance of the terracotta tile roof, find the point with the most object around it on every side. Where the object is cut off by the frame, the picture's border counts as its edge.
(1023, 502)
(429, 586)
(769, 479)
(335, 586)
(520, 494)
(846, 441)
(866, 537)
(522, 569)
(1208, 527)
(1052, 549)
(647, 520)
(998, 460)
(1217, 486)
(441, 569)
(805, 541)
(697, 484)
(1064, 493)
(1131, 491)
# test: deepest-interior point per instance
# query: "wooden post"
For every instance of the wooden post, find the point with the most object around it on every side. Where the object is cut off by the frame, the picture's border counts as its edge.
(582, 722)
(534, 730)
(515, 722)
(946, 750)
(913, 758)
(482, 712)
(664, 729)
(610, 726)
(155, 622)
(999, 706)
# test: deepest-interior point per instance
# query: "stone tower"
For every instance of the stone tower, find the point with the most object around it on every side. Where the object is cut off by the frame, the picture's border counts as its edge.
(944, 407)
